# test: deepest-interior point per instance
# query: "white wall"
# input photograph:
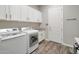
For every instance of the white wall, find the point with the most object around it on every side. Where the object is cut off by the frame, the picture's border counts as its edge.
(44, 10)
(70, 27)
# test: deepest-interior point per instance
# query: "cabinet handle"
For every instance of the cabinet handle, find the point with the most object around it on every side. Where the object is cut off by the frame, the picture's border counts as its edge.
(27, 18)
(37, 19)
(6, 16)
(10, 16)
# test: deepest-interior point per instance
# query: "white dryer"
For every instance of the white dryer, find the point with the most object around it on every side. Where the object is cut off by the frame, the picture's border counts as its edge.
(32, 39)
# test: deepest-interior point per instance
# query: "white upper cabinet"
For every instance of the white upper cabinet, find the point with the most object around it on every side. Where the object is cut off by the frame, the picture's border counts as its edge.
(39, 18)
(24, 13)
(2, 12)
(15, 12)
(31, 14)
(7, 12)
(34, 15)
(19, 13)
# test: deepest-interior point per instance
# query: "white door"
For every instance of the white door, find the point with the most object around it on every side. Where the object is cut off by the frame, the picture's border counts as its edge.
(55, 24)
(15, 12)
(3, 14)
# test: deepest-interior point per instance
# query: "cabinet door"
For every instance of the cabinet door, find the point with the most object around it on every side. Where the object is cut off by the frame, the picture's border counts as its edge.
(31, 14)
(34, 15)
(24, 13)
(2, 12)
(15, 12)
(39, 16)
(41, 35)
(7, 12)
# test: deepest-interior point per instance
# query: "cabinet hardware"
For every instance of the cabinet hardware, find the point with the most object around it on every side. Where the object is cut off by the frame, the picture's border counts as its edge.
(10, 16)
(27, 18)
(38, 20)
(6, 16)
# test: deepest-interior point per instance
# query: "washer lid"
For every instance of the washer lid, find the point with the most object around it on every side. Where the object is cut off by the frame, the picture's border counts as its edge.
(26, 28)
(31, 31)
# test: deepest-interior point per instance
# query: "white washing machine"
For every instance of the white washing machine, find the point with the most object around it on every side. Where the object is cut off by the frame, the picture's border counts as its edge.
(12, 41)
(32, 39)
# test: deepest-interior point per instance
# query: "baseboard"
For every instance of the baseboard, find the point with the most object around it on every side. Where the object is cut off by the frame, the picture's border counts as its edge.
(67, 44)
(62, 43)
(41, 41)
(54, 41)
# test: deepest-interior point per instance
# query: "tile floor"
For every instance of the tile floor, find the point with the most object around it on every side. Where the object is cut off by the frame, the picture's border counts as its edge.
(49, 47)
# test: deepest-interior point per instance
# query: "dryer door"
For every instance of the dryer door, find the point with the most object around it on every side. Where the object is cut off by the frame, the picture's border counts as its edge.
(33, 39)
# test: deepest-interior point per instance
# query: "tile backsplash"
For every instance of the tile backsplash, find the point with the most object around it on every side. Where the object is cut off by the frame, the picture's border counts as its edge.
(16, 24)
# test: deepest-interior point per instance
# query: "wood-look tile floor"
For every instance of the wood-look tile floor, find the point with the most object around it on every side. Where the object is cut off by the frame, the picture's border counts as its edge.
(49, 47)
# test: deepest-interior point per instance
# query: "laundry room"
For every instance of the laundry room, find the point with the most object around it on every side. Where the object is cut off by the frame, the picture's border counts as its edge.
(39, 29)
